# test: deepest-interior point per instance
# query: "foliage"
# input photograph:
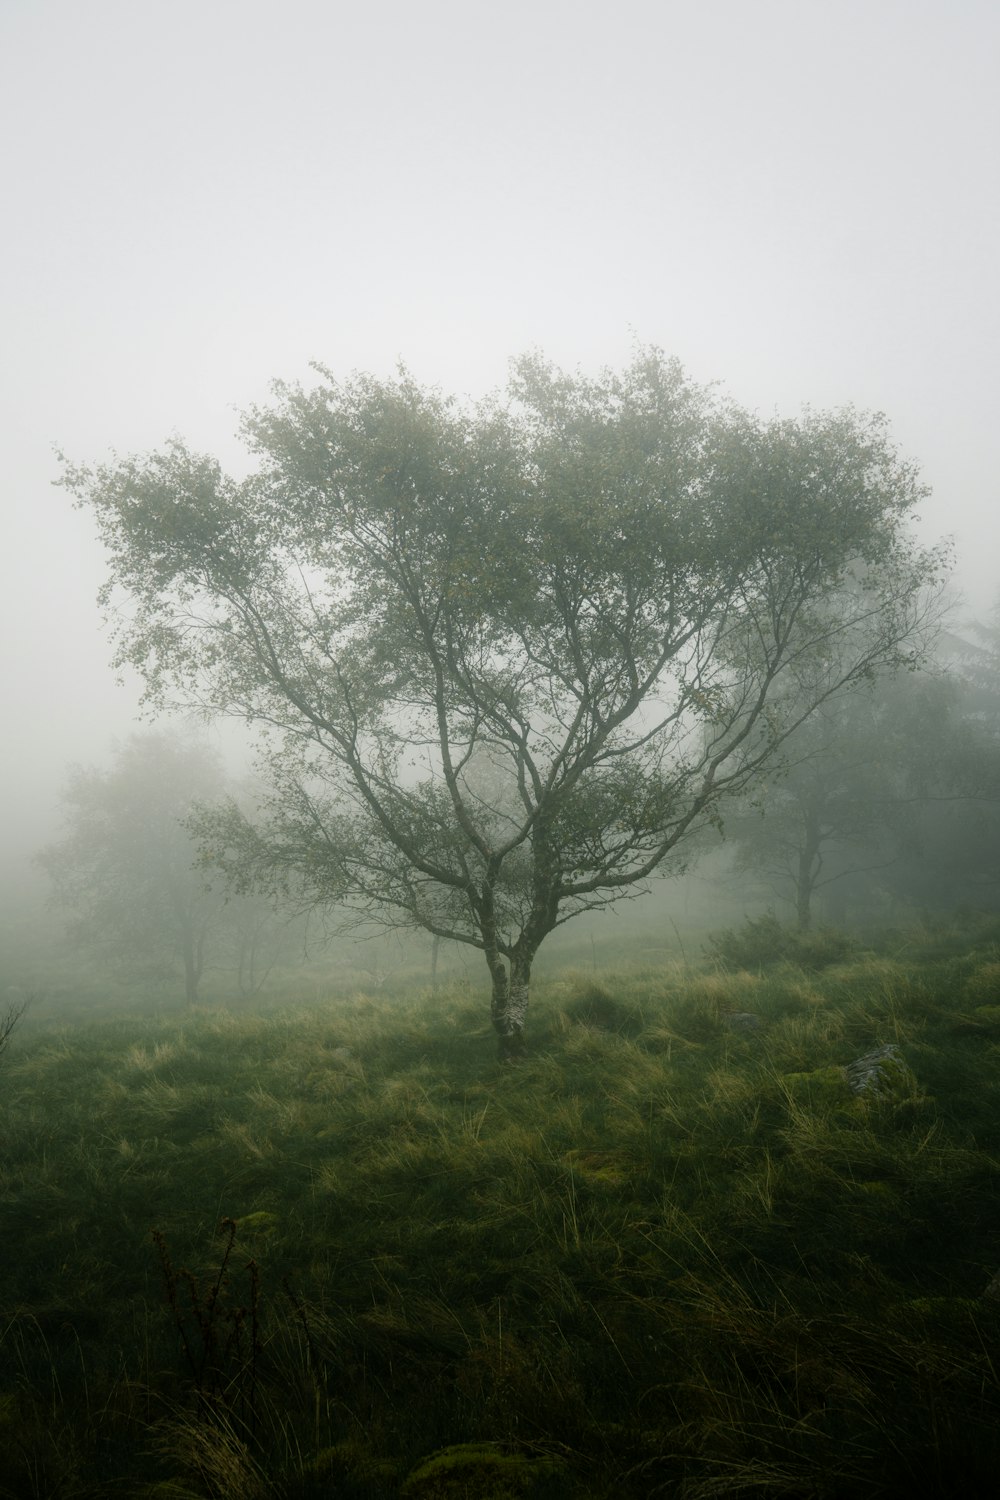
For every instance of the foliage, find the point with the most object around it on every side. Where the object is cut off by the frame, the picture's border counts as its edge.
(128, 871)
(891, 791)
(677, 1259)
(126, 866)
(957, 830)
(8, 1020)
(846, 805)
(764, 940)
(617, 596)
(978, 661)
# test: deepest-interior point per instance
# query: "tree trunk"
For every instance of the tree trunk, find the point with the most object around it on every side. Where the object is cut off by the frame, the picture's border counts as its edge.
(192, 975)
(193, 939)
(190, 943)
(809, 865)
(803, 896)
(509, 1007)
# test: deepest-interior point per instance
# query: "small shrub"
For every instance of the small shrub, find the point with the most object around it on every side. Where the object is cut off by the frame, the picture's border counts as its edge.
(822, 948)
(763, 940)
(221, 1341)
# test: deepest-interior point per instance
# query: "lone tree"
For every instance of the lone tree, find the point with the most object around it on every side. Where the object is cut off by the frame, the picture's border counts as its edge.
(617, 595)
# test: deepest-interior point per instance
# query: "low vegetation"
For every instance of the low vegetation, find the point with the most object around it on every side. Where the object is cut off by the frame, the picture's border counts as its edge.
(339, 1250)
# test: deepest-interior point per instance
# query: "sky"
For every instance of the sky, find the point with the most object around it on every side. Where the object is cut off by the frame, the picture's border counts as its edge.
(799, 199)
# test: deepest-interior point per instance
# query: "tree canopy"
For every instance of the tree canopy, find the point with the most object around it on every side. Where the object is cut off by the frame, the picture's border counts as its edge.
(508, 656)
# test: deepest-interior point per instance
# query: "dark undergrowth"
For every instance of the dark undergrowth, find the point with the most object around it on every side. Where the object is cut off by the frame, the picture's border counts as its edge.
(339, 1251)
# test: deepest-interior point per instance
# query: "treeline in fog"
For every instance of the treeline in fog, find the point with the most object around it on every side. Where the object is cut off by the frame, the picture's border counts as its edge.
(884, 808)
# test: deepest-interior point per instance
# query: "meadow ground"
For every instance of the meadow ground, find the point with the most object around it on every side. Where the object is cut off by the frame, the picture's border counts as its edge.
(337, 1250)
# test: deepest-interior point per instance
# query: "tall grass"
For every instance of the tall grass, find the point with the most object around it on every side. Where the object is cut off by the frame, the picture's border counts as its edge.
(669, 1254)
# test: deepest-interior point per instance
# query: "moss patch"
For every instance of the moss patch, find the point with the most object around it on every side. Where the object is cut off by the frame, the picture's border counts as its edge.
(823, 1089)
(480, 1471)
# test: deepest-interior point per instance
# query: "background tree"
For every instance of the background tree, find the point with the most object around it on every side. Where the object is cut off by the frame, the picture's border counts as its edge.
(974, 656)
(126, 868)
(848, 804)
(9, 1018)
(623, 591)
(893, 793)
(953, 856)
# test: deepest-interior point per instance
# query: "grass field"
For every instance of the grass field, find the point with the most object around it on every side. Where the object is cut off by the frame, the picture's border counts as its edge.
(336, 1250)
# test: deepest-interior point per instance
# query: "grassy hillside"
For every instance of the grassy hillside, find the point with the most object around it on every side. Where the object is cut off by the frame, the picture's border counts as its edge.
(301, 1253)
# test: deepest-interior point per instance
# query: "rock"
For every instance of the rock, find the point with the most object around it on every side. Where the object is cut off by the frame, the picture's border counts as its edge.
(881, 1071)
(880, 1074)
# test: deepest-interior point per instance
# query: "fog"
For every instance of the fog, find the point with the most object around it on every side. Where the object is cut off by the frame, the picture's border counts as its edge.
(798, 201)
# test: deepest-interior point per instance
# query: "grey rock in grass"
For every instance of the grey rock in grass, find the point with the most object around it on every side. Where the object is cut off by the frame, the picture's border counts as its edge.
(880, 1071)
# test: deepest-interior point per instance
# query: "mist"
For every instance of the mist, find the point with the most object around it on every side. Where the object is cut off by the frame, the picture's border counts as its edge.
(798, 203)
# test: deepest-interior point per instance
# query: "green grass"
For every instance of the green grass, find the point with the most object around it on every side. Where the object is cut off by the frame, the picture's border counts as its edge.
(663, 1256)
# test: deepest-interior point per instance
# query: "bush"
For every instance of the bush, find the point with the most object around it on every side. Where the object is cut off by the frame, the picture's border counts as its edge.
(763, 940)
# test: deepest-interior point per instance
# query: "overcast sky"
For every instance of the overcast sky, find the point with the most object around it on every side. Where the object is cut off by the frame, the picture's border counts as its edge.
(798, 198)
